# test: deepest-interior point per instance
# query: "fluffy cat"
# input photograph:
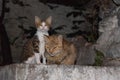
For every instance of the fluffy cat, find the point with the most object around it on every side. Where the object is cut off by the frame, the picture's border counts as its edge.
(59, 50)
(34, 49)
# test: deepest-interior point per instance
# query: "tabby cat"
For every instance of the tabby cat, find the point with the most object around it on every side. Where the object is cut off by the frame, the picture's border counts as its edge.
(59, 50)
(34, 49)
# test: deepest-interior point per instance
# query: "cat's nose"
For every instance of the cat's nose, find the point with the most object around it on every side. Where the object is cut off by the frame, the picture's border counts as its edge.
(43, 28)
(50, 51)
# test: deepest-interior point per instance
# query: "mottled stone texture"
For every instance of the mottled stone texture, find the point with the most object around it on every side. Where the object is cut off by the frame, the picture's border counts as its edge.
(54, 72)
(109, 41)
(117, 2)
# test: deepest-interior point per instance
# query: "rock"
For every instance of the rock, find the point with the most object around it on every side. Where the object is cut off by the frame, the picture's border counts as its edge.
(108, 24)
(109, 41)
(106, 8)
(118, 15)
(54, 72)
(117, 2)
(86, 53)
(111, 62)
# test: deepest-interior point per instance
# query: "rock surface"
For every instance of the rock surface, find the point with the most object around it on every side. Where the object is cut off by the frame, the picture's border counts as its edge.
(117, 2)
(54, 72)
(111, 62)
(109, 41)
(85, 51)
(107, 6)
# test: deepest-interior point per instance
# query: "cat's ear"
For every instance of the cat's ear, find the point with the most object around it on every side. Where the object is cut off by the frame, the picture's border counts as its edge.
(37, 21)
(49, 20)
(60, 38)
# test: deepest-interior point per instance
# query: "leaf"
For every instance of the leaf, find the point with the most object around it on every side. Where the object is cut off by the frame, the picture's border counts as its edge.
(99, 58)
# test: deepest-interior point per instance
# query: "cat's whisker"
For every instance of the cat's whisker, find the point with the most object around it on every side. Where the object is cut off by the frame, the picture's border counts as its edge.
(59, 50)
(54, 54)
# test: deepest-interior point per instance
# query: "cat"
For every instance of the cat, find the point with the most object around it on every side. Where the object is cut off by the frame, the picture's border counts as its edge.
(59, 50)
(35, 47)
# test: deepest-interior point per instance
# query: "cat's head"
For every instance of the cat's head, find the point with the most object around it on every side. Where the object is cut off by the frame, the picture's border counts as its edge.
(43, 25)
(54, 44)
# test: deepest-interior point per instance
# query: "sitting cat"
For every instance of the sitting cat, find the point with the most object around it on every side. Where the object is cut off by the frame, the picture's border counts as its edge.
(59, 50)
(34, 49)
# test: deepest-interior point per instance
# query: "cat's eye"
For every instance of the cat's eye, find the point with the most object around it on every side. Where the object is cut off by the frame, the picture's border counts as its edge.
(47, 47)
(54, 48)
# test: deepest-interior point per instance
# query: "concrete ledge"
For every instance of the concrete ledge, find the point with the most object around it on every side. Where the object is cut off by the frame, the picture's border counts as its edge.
(54, 72)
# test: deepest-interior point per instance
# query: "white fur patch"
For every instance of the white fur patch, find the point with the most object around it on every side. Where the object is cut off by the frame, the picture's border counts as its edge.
(43, 27)
(30, 60)
(37, 58)
(43, 23)
(41, 47)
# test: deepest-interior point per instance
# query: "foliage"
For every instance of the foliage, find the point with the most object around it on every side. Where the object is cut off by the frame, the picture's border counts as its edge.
(90, 37)
(99, 58)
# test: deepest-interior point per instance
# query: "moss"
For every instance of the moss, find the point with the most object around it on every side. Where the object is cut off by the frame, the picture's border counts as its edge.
(99, 58)
(91, 38)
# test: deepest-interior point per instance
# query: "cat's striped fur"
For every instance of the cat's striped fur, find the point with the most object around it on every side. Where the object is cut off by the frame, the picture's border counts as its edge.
(59, 50)
(31, 46)
(35, 48)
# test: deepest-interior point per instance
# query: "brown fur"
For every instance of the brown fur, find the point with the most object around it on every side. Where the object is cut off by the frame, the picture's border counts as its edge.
(30, 46)
(66, 50)
(47, 21)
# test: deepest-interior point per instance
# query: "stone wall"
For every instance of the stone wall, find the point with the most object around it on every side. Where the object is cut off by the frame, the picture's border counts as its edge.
(109, 40)
(55, 72)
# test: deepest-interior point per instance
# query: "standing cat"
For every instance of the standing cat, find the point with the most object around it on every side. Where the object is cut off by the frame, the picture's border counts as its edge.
(59, 50)
(34, 49)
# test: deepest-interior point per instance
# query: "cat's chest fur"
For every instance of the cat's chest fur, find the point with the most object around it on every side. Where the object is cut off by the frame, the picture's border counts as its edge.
(34, 49)
(38, 48)
(40, 36)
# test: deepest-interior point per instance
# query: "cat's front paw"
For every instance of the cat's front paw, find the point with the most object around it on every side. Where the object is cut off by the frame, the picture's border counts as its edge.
(38, 62)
